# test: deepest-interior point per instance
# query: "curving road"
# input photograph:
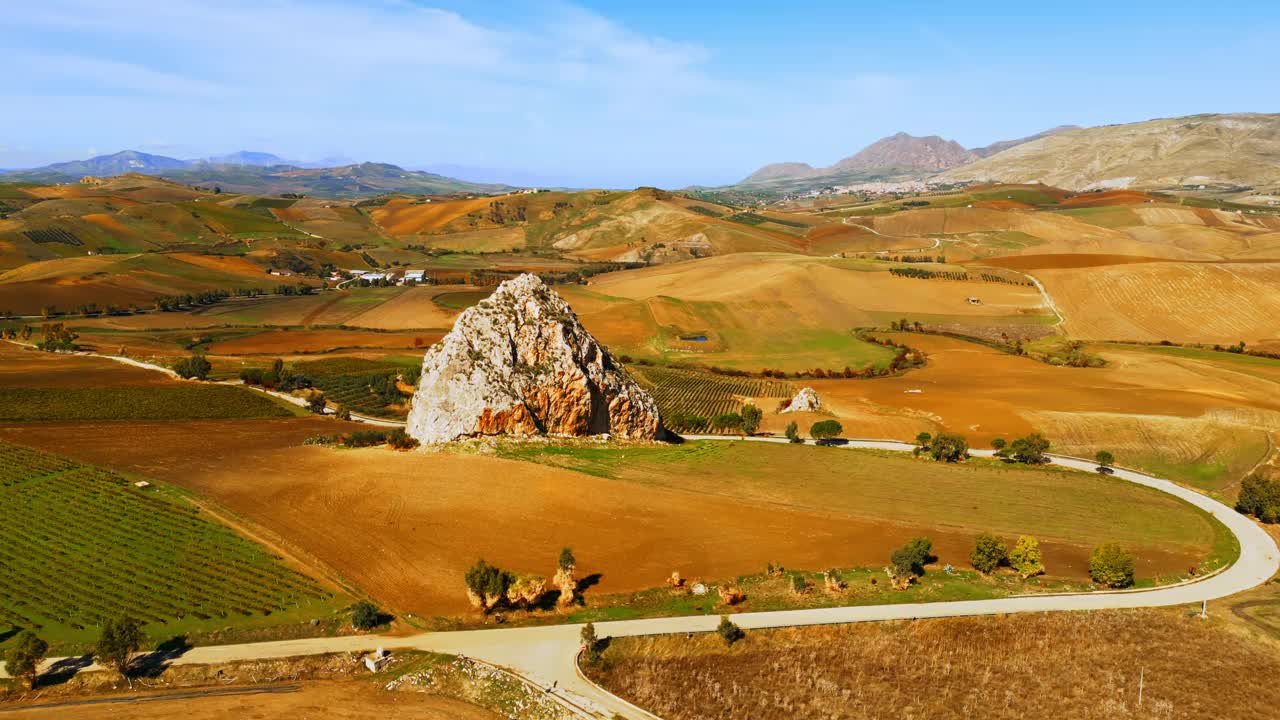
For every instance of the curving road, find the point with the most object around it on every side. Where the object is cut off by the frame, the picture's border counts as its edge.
(547, 655)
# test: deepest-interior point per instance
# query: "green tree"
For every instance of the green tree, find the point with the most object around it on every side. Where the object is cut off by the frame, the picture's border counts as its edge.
(912, 557)
(567, 561)
(590, 643)
(1026, 557)
(825, 429)
(365, 615)
(949, 447)
(923, 438)
(23, 659)
(117, 642)
(342, 413)
(728, 631)
(1259, 497)
(487, 584)
(317, 403)
(195, 367)
(751, 417)
(998, 444)
(1030, 449)
(1111, 566)
(989, 553)
(728, 422)
(793, 432)
(1105, 459)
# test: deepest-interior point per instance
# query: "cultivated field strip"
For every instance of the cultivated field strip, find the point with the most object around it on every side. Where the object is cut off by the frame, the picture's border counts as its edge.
(79, 544)
(691, 393)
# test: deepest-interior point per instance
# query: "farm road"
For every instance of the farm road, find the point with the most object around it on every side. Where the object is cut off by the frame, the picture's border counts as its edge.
(547, 655)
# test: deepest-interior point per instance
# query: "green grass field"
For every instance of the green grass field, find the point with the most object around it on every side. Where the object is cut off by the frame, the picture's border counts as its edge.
(79, 544)
(188, 401)
(979, 495)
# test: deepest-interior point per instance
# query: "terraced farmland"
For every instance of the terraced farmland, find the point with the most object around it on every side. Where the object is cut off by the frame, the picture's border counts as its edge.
(689, 400)
(79, 544)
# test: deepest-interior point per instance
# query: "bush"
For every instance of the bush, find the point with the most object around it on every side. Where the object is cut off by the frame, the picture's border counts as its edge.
(793, 432)
(1259, 497)
(1030, 449)
(1026, 557)
(799, 585)
(751, 417)
(567, 562)
(317, 403)
(195, 367)
(911, 558)
(1111, 566)
(989, 553)
(400, 440)
(948, 447)
(728, 631)
(825, 429)
(365, 616)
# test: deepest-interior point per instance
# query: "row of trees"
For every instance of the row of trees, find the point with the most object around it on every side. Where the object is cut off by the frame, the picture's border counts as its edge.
(490, 587)
(117, 642)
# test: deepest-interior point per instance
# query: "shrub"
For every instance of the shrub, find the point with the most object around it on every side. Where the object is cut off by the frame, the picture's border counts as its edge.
(365, 616)
(911, 558)
(567, 562)
(342, 413)
(1111, 566)
(317, 403)
(195, 367)
(825, 429)
(1259, 497)
(1026, 557)
(728, 631)
(989, 553)
(751, 417)
(400, 440)
(949, 447)
(793, 432)
(799, 585)
(1029, 449)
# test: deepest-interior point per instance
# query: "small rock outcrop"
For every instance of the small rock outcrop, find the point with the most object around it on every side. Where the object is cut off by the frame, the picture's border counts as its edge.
(520, 363)
(805, 401)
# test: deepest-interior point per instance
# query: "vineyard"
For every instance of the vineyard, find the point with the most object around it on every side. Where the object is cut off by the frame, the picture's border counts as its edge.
(365, 387)
(187, 401)
(689, 400)
(79, 544)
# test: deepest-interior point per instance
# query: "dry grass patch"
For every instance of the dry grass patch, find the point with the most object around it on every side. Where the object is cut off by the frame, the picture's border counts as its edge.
(1080, 666)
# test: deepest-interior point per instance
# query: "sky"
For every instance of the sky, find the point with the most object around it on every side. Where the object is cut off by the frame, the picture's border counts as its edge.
(605, 94)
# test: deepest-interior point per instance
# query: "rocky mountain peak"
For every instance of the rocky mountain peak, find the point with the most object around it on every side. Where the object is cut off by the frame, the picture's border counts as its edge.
(520, 363)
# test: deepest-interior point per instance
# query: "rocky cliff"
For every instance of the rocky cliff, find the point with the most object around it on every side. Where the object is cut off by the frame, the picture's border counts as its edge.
(519, 363)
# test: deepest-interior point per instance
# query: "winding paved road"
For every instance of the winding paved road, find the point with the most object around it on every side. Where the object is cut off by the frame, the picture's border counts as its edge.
(547, 655)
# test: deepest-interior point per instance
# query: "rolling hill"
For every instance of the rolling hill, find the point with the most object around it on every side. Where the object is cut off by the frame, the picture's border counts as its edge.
(1211, 150)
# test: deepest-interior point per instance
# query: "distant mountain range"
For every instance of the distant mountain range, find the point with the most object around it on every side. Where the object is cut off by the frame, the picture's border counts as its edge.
(1223, 151)
(257, 173)
(894, 156)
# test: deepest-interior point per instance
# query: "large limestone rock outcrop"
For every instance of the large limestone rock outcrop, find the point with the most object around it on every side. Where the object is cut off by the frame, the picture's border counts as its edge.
(805, 401)
(519, 363)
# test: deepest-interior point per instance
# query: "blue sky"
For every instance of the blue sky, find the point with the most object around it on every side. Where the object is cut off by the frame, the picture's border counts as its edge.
(605, 93)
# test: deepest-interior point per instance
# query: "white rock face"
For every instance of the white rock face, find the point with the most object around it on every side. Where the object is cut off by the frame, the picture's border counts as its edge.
(805, 401)
(519, 363)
